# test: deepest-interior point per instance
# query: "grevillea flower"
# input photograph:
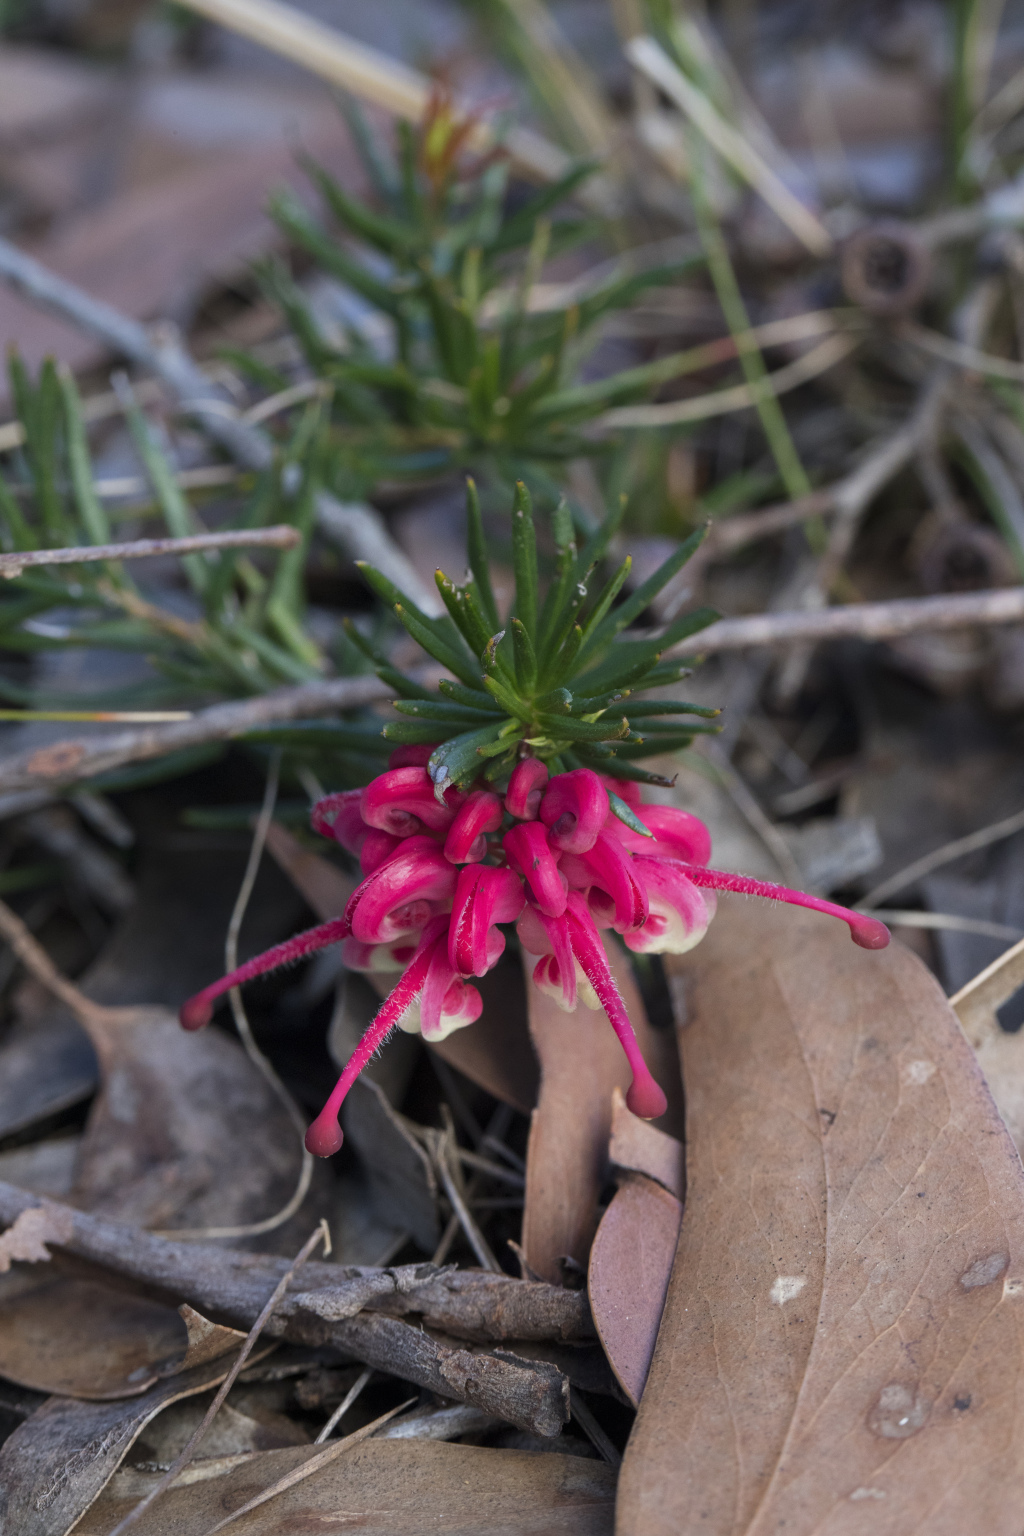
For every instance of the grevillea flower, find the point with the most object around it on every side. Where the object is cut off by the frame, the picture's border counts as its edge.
(516, 798)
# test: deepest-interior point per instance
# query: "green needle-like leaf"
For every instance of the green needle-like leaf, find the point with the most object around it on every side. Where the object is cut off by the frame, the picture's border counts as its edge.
(431, 642)
(524, 557)
(628, 816)
(567, 728)
(478, 562)
(525, 658)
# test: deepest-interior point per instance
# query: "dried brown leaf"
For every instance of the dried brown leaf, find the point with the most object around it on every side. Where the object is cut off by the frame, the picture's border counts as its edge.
(582, 1063)
(27, 1238)
(637, 1146)
(395, 1487)
(630, 1264)
(841, 1344)
(58, 1460)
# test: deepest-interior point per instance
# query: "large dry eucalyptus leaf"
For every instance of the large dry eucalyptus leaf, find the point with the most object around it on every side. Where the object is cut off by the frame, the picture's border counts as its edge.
(842, 1339)
(395, 1487)
(1000, 1052)
(55, 1464)
(185, 1131)
(582, 1063)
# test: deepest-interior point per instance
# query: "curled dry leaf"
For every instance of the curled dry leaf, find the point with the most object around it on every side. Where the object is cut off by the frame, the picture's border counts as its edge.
(1000, 1053)
(582, 1063)
(631, 1258)
(27, 1238)
(840, 1348)
(395, 1487)
(58, 1460)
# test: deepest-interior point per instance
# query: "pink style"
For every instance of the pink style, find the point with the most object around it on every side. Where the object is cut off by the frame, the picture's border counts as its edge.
(555, 856)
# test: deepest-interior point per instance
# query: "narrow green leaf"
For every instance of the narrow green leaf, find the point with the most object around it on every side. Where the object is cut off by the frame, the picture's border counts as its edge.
(669, 707)
(408, 734)
(637, 601)
(431, 642)
(568, 728)
(475, 698)
(525, 659)
(651, 747)
(478, 562)
(441, 709)
(459, 760)
(620, 770)
(628, 816)
(604, 602)
(92, 513)
(524, 557)
(558, 702)
(507, 699)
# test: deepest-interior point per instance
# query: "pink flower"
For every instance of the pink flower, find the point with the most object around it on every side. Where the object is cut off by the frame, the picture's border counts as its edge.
(480, 813)
(484, 897)
(526, 789)
(574, 808)
(416, 884)
(435, 913)
(402, 802)
(529, 855)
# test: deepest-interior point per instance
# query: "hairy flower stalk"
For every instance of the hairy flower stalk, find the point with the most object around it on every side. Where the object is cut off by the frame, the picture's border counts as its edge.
(514, 797)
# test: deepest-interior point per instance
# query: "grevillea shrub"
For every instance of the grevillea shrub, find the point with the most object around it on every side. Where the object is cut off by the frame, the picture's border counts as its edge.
(514, 795)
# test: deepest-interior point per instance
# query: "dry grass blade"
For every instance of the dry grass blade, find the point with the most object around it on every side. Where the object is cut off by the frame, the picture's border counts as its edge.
(948, 921)
(308, 1468)
(281, 536)
(739, 397)
(188, 1450)
(650, 58)
(983, 838)
(343, 1407)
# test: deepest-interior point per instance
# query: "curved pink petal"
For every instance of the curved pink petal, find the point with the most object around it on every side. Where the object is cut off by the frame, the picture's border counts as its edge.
(617, 897)
(676, 834)
(402, 802)
(551, 977)
(402, 896)
(526, 789)
(377, 848)
(574, 808)
(644, 1098)
(679, 913)
(484, 897)
(339, 816)
(549, 936)
(530, 856)
(481, 812)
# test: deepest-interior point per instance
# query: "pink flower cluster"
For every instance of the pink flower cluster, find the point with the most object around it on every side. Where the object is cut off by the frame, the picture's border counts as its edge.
(440, 879)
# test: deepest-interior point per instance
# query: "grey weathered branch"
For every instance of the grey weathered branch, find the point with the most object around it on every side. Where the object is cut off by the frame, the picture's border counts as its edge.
(863, 621)
(330, 1306)
(69, 762)
(356, 527)
(280, 536)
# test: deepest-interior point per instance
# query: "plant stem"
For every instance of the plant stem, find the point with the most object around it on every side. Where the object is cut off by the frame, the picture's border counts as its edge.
(794, 476)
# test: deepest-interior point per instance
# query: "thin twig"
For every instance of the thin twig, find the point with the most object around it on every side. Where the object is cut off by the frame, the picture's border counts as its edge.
(70, 761)
(358, 528)
(592, 1429)
(481, 1248)
(651, 59)
(957, 353)
(983, 838)
(344, 1406)
(280, 536)
(949, 922)
(863, 621)
(187, 1452)
(749, 808)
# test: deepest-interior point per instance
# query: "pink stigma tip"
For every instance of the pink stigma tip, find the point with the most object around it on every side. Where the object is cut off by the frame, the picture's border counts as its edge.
(324, 1136)
(196, 1013)
(646, 1099)
(869, 933)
